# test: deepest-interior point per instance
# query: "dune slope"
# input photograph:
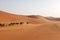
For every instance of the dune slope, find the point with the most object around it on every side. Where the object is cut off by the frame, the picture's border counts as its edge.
(45, 31)
(7, 17)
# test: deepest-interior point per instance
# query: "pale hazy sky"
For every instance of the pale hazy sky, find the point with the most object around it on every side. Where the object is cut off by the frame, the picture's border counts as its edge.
(36, 7)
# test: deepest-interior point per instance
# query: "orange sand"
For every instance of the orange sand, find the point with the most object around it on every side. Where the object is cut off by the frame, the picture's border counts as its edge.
(37, 30)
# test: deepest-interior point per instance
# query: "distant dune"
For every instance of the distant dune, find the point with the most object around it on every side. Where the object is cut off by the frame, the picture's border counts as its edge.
(48, 18)
(53, 18)
(39, 28)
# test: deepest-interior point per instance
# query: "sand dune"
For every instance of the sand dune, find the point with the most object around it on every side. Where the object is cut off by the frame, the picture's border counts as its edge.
(38, 17)
(39, 28)
(53, 18)
(44, 31)
(46, 19)
(7, 17)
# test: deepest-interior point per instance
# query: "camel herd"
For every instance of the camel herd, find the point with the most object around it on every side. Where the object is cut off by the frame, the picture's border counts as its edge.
(13, 23)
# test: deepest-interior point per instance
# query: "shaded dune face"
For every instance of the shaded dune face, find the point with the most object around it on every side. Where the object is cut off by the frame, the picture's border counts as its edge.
(32, 16)
(38, 17)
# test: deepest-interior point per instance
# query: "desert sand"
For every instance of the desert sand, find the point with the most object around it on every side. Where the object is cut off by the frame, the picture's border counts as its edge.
(38, 28)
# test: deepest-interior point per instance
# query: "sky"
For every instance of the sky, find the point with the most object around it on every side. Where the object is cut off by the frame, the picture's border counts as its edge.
(31, 7)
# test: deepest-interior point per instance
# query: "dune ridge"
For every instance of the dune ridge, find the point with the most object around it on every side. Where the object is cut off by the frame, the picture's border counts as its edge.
(7, 17)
